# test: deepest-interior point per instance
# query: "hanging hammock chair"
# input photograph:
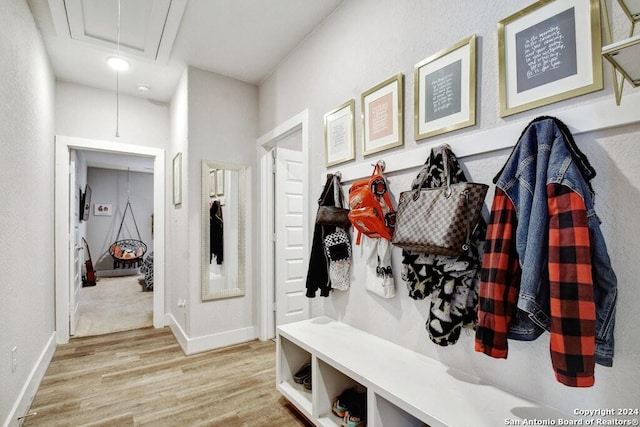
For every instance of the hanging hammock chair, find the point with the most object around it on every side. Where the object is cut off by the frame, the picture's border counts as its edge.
(127, 252)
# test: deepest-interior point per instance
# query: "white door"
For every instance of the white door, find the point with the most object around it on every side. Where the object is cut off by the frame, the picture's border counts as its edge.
(75, 248)
(291, 304)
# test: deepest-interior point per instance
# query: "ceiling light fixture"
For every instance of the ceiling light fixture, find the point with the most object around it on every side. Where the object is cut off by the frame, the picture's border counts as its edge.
(118, 63)
(143, 88)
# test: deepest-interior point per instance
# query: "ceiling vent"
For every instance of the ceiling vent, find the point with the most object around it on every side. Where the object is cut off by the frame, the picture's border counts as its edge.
(148, 28)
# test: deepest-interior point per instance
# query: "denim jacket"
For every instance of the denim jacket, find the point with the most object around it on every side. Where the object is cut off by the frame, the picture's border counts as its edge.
(546, 164)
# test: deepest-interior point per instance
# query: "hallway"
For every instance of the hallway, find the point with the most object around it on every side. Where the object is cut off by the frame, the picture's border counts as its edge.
(143, 378)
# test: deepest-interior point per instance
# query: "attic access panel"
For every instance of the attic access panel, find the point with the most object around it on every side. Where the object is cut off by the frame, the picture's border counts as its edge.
(148, 28)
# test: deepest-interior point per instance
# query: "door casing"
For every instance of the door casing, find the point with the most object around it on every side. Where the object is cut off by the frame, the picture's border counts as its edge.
(75, 267)
(63, 145)
(299, 122)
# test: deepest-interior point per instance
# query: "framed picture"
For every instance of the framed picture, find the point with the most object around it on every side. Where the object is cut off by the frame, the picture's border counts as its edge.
(549, 52)
(219, 182)
(102, 209)
(80, 211)
(177, 179)
(445, 90)
(339, 134)
(86, 203)
(212, 183)
(382, 116)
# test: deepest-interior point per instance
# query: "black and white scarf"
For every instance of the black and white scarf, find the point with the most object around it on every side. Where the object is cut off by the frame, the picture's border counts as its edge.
(451, 283)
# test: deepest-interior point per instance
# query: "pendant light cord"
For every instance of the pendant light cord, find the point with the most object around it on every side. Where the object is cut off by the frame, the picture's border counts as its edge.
(118, 81)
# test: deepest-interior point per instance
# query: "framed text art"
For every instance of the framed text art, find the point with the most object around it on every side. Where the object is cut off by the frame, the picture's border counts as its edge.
(177, 179)
(219, 182)
(382, 123)
(445, 90)
(339, 134)
(549, 52)
(212, 183)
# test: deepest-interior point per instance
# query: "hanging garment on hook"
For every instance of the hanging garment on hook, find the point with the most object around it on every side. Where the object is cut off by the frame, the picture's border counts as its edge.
(546, 265)
(449, 283)
(216, 233)
(372, 212)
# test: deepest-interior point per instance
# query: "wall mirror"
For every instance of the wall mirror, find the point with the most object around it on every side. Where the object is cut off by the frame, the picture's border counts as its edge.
(223, 230)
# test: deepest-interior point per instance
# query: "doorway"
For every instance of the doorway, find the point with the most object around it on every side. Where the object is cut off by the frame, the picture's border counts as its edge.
(64, 235)
(292, 302)
(122, 189)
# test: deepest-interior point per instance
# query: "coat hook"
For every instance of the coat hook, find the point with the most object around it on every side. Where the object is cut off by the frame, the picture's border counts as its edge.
(339, 175)
(380, 163)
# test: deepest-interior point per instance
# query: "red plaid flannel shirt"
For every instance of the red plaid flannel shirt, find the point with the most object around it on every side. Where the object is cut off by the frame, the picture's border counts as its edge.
(571, 287)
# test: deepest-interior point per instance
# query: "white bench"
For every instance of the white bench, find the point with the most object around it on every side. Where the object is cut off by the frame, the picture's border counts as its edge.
(404, 388)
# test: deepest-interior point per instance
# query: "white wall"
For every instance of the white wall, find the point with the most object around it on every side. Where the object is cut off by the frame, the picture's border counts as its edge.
(212, 118)
(364, 43)
(177, 261)
(87, 112)
(222, 127)
(114, 187)
(26, 162)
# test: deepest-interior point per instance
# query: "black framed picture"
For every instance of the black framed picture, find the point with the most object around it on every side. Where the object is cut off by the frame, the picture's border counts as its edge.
(86, 203)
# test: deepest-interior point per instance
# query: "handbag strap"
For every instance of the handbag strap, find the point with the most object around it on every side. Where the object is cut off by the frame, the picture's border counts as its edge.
(338, 195)
(424, 172)
(445, 161)
(377, 170)
(467, 240)
(325, 191)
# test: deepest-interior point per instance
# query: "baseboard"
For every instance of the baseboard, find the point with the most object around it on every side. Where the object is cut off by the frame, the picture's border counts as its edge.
(177, 331)
(118, 272)
(28, 392)
(210, 342)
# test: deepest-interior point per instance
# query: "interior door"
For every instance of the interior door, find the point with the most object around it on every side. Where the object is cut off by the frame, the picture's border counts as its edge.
(291, 304)
(75, 248)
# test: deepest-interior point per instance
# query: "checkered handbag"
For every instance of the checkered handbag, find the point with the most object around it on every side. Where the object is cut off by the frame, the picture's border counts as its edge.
(439, 220)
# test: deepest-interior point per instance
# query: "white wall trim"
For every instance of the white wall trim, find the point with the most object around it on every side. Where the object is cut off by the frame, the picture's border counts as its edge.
(63, 145)
(28, 392)
(264, 145)
(597, 115)
(212, 341)
(221, 339)
(177, 331)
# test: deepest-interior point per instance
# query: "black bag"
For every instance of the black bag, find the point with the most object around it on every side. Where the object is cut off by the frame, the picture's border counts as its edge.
(334, 216)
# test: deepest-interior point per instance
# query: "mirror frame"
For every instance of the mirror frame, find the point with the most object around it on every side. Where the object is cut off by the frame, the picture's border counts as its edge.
(207, 294)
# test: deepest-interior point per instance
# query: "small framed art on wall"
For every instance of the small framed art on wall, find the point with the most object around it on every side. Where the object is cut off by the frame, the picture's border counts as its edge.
(382, 116)
(549, 52)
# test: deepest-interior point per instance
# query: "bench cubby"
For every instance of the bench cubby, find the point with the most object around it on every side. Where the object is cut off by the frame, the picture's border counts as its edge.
(403, 388)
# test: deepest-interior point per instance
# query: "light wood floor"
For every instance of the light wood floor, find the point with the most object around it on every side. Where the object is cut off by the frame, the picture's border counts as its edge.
(142, 378)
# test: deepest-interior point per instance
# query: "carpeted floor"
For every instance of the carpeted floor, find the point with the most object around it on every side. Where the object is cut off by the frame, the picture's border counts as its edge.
(114, 304)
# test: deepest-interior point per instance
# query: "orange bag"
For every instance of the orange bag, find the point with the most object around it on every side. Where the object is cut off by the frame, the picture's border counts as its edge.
(372, 212)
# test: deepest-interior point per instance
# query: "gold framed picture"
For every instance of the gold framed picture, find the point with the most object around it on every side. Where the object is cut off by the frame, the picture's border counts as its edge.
(549, 52)
(339, 134)
(445, 90)
(382, 116)
(219, 182)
